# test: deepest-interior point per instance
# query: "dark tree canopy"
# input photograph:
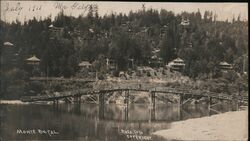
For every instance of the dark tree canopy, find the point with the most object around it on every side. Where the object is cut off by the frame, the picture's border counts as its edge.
(202, 42)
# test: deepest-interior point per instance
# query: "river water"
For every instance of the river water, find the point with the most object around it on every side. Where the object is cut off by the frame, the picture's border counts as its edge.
(89, 122)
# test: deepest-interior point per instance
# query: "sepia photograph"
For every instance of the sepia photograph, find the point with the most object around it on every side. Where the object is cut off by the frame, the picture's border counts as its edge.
(123, 71)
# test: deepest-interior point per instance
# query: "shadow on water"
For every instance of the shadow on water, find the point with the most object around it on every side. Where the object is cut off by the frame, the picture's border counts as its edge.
(90, 122)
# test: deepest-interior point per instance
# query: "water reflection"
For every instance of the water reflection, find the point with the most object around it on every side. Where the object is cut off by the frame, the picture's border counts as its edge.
(90, 122)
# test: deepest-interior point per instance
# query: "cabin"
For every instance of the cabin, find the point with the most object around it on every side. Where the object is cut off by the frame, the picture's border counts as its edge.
(155, 61)
(9, 55)
(111, 64)
(84, 65)
(163, 30)
(55, 32)
(224, 66)
(33, 65)
(177, 65)
(184, 25)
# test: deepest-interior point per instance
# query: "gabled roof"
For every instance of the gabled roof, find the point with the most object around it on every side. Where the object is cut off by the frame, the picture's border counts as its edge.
(84, 63)
(178, 60)
(7, 44)
(33, 59)
(156, 50)
(224, 63)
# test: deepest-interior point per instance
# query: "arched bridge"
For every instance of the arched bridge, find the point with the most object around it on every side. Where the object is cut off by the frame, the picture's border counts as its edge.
(183, 94)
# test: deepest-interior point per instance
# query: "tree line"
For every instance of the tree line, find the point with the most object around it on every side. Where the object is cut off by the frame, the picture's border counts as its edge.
(202, 42)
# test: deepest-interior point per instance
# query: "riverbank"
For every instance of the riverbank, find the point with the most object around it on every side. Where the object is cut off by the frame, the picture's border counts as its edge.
(226, 126)
(19, 102)
(13, 102)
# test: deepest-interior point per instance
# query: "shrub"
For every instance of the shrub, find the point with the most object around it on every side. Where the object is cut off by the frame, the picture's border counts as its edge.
(36, 87)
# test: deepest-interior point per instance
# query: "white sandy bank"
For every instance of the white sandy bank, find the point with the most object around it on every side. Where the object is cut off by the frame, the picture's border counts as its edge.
(224, 127)
(12, 102)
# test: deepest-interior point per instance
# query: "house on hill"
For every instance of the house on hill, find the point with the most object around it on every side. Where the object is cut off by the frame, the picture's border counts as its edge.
(185, 22)
(176, 65)
(55, 32)
(9, 55)
(84, 65)
(111, 64)
(33, 65)
(224, 66)
(86, 70)
(155, 61)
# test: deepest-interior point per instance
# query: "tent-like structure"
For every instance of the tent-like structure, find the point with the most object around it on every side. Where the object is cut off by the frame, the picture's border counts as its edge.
(33, 60)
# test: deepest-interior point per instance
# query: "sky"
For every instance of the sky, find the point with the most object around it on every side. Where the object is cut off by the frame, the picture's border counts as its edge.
(25, 10)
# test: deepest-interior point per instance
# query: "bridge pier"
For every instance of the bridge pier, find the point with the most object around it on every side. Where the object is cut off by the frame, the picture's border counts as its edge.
(209, 101)
(152, 106)
(126, 101)
(126, 113)
(55, 103)
(181, 98)
(153, 99)
(79, 99)
(236, 104)
(101, 105)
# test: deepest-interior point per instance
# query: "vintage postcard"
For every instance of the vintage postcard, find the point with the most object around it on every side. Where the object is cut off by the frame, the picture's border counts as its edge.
(123, 71)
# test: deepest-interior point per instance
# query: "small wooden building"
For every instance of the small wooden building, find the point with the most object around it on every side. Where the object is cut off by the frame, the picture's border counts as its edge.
(177, 64)
(155, 61)
(55, 32)
(111, 64)
(9, 55)
(33, 65)
(224, 66)
(85, 65)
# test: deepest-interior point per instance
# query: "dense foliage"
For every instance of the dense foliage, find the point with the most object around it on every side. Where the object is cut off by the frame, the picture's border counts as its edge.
(202, 44)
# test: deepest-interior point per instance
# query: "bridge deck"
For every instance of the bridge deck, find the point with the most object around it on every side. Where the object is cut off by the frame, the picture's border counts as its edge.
(80, 92)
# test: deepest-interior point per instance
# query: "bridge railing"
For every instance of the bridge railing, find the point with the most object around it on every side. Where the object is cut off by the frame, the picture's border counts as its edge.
(80, 92)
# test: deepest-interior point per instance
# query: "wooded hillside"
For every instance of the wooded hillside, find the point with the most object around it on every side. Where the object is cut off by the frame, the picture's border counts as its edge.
(200, 40)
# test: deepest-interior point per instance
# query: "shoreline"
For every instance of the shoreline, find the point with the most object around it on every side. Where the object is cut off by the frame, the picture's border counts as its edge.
(226, 126)
(13, 102)
(19, 102)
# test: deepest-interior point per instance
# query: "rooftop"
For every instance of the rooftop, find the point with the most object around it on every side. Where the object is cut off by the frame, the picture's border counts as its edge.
(84, 63)
(224, 63)
(33, 59)
(178, 60)
(7, 44)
